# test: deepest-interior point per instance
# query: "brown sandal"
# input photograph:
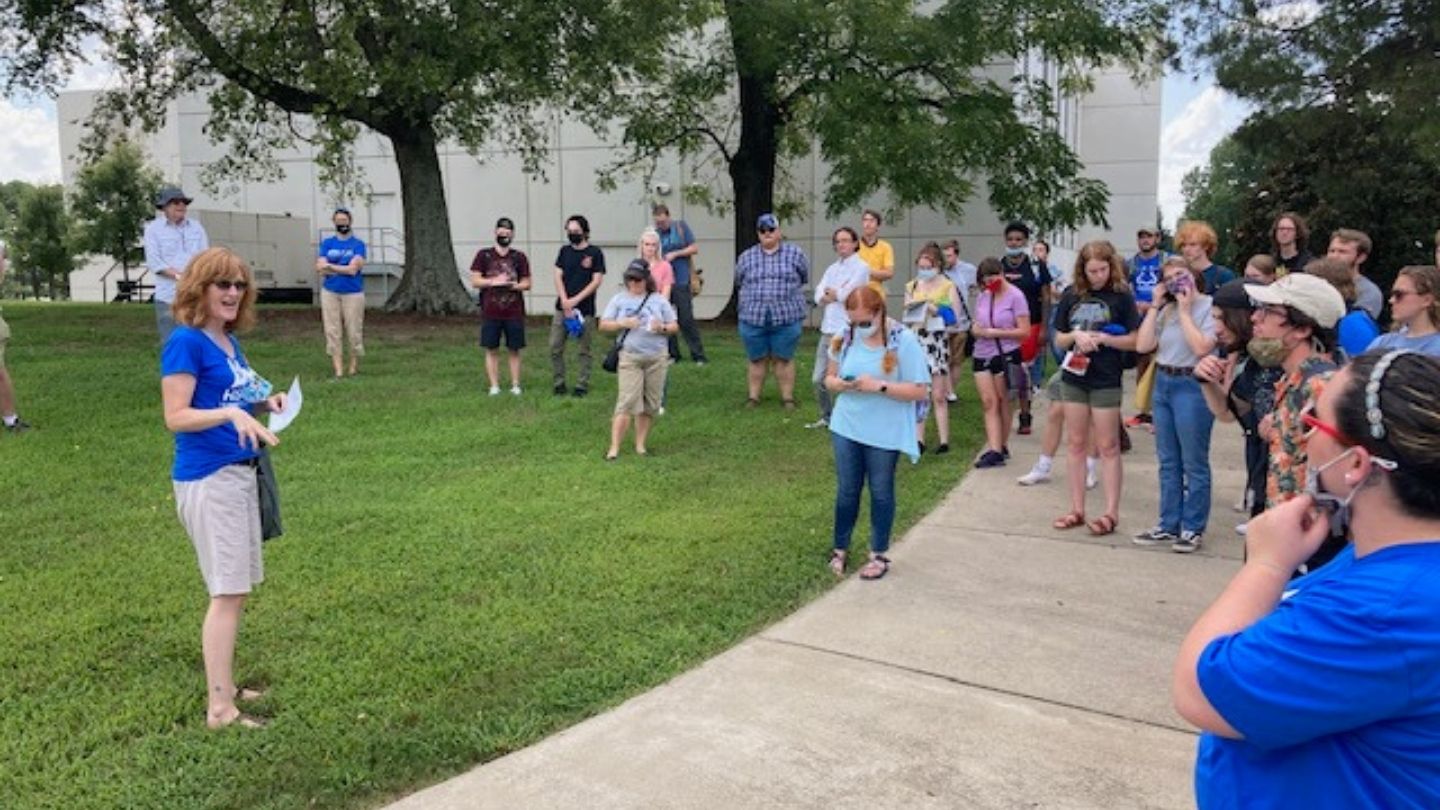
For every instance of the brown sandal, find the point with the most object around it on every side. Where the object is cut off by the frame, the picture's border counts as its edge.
(837, 562)
(876, 568)
(1069, 520)
(1103, 525)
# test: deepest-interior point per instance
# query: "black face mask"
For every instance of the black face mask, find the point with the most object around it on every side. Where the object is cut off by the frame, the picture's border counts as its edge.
(342, 229)
(575, 238)
(502, 241)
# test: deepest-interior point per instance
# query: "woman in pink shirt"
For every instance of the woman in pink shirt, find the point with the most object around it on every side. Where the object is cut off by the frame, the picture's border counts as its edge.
(664, 277)
(1002, 320)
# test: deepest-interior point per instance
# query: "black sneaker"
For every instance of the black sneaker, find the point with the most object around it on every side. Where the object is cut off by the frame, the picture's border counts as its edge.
(20, 426)
(1025, 421)
(579, 391)
(560, 389)
(942, 449)
(988, 459)
(1156, 537)
(1005, 451)
(922, 447)
(1188, 543)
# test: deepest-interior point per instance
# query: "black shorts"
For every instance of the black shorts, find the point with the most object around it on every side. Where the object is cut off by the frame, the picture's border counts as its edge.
(512, 328)
(996, 364)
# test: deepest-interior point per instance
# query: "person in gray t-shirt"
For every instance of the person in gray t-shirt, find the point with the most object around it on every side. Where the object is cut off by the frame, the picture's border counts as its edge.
(647, 320)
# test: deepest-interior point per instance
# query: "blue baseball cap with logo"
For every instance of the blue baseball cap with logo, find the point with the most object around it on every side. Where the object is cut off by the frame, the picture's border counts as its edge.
(767, 221)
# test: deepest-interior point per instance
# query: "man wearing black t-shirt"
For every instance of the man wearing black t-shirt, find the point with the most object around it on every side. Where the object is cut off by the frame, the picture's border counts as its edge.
(1034, 281)
(579, 269)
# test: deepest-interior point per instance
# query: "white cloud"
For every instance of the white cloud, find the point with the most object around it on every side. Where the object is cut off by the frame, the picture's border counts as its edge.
(30, 150)
(1187, 139)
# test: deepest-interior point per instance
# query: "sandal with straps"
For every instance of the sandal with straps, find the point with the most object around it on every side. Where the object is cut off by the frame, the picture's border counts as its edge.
(1103, 525)
(837, 562)
(876, 568)
(1069, 520)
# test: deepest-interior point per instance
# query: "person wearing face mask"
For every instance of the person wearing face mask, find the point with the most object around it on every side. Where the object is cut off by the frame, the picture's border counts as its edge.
(1415, 310)
(579, 269)
(1237, 388)
(1002, 320)
(1294, 329)
(1034, 281)
(847, 274)
(877, 372)
(342, 294)
(502, 275)
(929, 292)
(1324, 691)
(1180, 329)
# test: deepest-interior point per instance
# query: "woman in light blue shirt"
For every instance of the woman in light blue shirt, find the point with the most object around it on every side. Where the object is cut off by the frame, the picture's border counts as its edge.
(877, 371)
(1415, 309)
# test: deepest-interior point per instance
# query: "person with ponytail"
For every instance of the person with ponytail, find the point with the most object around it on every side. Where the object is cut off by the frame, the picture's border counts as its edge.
(1324, 691)
(877, 371)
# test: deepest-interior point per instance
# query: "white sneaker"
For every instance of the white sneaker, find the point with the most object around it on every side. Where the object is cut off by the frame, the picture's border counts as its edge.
(660, 412)
(818, 423)
(515, 389)
(494, 390)
(1091, 479)
(1242, 529)
(1035, 476)
(950, 397)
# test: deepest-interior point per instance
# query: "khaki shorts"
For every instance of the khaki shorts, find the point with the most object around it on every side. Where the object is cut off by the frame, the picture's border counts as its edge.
(221, 513)
(1097, 398)
(642, 382)
(4, 339)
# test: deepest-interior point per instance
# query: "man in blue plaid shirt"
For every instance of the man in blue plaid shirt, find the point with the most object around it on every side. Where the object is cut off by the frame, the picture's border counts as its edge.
(771, 277)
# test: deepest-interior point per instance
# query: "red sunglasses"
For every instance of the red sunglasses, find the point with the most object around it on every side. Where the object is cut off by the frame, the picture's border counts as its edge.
(1329, 430)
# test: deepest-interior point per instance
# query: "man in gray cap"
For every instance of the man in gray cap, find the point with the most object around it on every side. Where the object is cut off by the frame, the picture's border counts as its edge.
(171, 240)
(1294, 323)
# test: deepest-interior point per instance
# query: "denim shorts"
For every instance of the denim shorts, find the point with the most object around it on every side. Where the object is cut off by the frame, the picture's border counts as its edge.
(775, 340)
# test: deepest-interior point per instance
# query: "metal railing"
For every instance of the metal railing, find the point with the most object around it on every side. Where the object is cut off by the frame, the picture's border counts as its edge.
(126, 289)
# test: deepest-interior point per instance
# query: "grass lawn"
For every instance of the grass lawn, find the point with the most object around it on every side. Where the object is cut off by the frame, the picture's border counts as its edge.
(461, 575)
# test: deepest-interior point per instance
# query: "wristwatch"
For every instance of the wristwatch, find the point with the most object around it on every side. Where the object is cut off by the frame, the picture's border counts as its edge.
(884, 387)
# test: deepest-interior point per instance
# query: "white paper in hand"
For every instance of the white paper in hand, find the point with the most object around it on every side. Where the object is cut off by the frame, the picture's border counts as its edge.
(293, 400)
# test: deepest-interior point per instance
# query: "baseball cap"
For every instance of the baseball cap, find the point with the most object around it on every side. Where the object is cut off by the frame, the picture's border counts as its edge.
(170, 194)
(505, 222)
(638, 268)
(1232, 295)
(766, 220)
(1147, 229)
(1309, 294)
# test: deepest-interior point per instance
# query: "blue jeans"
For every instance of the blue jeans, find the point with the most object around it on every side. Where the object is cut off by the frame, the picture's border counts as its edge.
(1182, 443)
(164, 320)
(854, 463)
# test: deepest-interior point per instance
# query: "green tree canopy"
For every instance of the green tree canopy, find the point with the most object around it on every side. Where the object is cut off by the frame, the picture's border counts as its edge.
(414, 71)
(111, 202)
(41, 246)
(895, 96)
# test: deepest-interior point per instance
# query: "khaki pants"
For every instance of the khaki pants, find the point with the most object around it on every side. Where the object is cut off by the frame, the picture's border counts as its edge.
(558, 338)
(343, 313)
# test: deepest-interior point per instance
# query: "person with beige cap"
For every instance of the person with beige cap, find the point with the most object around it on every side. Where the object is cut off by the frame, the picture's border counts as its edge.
(1294, 322)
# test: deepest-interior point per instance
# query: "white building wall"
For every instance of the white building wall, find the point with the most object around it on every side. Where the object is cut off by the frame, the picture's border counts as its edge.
(1115, 130)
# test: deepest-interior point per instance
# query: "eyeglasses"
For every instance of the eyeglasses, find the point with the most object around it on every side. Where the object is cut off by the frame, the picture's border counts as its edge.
(1273, 309)
(227, 285)
(1314, 423)
(1400, 295)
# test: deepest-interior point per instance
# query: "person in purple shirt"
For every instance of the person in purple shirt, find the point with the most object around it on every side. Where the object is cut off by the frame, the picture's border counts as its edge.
(771, 277)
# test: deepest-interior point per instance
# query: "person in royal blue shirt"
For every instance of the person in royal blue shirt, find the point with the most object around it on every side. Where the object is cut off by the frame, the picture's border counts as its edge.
(210, 395)
(1324, 691)
(342, 296)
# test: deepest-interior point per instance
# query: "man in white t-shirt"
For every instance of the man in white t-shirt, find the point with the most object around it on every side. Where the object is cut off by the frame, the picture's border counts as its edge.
(848, 274)
(171, 240)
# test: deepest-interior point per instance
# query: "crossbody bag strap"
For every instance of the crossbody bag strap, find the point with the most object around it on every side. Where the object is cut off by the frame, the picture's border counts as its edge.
(620, 341)
(998, 347)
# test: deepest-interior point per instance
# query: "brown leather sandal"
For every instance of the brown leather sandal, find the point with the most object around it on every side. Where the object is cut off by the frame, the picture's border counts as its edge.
(1069, 520)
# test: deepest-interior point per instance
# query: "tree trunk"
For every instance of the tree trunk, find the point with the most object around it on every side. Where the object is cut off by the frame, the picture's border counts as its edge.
(431, 285)
(752, 169)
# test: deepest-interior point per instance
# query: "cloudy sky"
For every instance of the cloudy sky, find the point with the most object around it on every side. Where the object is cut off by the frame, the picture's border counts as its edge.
(1195, 116)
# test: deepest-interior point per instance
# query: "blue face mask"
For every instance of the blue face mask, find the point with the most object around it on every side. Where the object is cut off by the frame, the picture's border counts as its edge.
(925, 273)
(1014, 251)
(864, 332)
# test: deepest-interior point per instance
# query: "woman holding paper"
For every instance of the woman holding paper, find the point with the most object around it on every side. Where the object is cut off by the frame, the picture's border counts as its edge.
(926, 296)
(210, 396)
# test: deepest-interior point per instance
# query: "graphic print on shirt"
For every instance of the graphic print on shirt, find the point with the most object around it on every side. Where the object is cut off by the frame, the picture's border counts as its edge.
(246, 387)
(1089, 315)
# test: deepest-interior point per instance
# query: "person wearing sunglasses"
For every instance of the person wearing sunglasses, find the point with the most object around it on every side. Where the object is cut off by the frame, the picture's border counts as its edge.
(771, 277)
(211, 397)
(1415, 311)
(1324, 691)
(1294, 330)
(877, 371)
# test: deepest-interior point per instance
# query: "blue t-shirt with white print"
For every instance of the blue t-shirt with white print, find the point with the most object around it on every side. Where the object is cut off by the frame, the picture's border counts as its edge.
(220, 381)
(339, 252)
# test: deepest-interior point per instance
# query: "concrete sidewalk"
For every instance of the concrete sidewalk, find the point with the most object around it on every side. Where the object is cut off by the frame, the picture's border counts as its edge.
(1001, 664)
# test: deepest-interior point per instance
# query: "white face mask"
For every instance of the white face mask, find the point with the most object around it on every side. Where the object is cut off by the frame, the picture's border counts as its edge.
(925, 273)
(864, 332)
(1337, 507)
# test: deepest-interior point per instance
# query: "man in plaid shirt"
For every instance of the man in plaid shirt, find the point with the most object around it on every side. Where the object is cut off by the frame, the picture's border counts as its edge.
(771, 277)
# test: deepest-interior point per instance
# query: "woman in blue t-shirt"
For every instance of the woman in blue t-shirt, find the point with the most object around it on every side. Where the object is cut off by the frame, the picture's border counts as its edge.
(877, 371)
(1415, 310)
(210, 393)
(1324, 691)
(342, 295)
